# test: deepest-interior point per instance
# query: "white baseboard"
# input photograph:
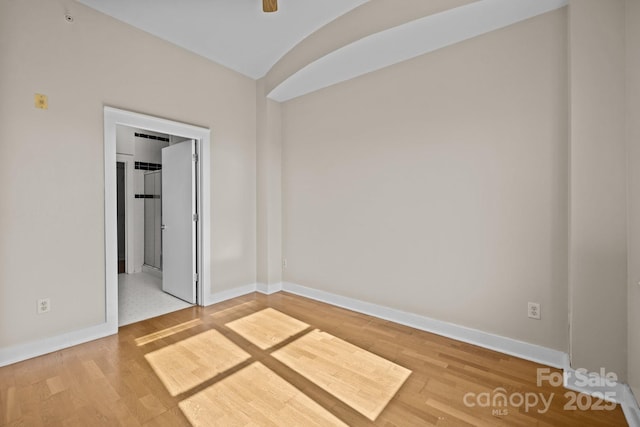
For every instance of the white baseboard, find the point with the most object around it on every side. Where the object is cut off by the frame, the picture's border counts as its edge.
(227, 294)
(267, 289)
(152, 270)
(609, 390)
(494, 342)
(631, 408)
(617, 392)
(533, 352)
(20, 352)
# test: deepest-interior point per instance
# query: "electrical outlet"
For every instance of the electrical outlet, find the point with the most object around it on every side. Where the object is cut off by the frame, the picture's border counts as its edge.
(284, 263)
(44, 305)
(533, 310)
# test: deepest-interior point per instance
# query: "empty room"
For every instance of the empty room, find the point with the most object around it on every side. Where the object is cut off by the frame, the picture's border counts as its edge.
(329, 213)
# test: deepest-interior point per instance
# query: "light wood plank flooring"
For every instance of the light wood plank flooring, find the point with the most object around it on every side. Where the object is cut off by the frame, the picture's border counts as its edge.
(280, 360)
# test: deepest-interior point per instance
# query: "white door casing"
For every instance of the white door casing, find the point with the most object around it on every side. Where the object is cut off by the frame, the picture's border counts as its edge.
(112, 118)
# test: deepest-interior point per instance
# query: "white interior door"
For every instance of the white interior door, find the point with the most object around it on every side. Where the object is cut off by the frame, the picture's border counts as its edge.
(179, 220)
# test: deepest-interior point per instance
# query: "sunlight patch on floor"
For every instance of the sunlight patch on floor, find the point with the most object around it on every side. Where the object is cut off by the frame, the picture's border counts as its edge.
(167, 332)
(359, 378)
(267, 327)
(233, 309)
(255, 396)
(192, 361)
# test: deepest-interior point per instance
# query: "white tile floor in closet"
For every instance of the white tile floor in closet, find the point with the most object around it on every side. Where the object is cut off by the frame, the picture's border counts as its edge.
(140, 297)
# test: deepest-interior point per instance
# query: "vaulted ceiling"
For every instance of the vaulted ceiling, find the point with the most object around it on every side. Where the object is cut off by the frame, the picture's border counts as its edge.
(310, 44)
(234, 33)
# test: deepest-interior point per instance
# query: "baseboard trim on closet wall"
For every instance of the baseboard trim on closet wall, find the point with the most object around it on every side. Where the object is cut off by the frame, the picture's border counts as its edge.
(523, 350)
(20, 352)
(267, 289)
(630, 407)
(603, 388)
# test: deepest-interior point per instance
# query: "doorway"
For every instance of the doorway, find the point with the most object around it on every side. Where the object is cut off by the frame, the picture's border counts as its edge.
(196, 140)
(162, 233)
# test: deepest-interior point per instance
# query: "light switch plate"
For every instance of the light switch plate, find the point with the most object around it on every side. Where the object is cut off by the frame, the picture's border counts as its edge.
(41, 101)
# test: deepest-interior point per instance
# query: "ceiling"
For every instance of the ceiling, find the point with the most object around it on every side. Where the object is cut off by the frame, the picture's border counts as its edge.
(239, 35)
(234, 33)
(409, 40)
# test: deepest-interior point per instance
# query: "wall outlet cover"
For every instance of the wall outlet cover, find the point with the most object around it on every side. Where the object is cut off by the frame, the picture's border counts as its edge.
(533, 310)
(44, 305)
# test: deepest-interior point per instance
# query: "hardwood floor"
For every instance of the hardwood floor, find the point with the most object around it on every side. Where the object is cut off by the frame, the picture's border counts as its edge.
(299, 362)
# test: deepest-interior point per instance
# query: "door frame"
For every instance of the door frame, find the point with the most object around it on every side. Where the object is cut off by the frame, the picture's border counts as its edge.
(112, 118)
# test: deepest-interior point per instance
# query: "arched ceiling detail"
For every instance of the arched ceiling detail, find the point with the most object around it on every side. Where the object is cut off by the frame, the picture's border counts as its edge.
(392, 45)
(367, 19)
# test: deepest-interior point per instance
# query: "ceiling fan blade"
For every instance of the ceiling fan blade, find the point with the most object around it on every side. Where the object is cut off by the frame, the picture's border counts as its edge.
(269, 5)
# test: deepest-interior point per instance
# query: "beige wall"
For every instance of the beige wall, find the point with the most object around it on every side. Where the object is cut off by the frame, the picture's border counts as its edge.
(51, 162)
(598, 245)
(269, 188)
(439, 185)
(633, 140)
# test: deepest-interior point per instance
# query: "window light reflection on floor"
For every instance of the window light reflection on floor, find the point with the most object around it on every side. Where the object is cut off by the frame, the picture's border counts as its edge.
(360, 379)
(144, 340)
(267, 327)
(255, 395)
(192, 361)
